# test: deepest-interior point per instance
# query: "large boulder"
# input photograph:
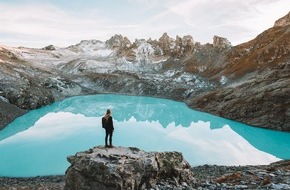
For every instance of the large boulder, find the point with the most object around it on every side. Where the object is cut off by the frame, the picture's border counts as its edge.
(128, 168)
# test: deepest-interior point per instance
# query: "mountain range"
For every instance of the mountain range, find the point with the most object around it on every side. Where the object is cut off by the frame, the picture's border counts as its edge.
(249, 83)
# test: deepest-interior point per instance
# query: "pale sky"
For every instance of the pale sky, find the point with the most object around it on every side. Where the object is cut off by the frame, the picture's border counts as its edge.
(38, 23)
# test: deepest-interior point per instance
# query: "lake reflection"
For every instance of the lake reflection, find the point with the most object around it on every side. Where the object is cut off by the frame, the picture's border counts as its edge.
(39, 142)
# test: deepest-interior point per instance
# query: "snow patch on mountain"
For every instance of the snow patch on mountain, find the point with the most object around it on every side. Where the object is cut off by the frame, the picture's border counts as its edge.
(223, 80)
(185, 77)
(92, 48)
(62, 85)
(169, 73)
(144, 52)
(123, 65)
(201, 68)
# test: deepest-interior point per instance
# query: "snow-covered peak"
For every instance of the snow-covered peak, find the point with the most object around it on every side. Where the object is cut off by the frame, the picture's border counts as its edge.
(144, 52)
(91, 48)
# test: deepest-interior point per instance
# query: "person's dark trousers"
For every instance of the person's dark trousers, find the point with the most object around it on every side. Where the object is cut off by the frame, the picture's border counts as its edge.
(110, 134)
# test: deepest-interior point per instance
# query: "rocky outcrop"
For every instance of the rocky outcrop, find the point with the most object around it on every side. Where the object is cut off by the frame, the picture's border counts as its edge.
(166, 43)
(128, 168)
(263, 102)
(8, 112)
(221, 43)
(49, 47)
(285, 20)
(118, 41)
(183, 46)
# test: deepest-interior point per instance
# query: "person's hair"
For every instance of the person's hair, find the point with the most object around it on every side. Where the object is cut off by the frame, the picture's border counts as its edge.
(108, 111)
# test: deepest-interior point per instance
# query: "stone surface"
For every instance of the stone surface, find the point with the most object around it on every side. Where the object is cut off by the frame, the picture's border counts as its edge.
(221, 43)
(9, 112)
(166, 43)
(33, 183)
(127, 168)
(49, 47)
(272, 176)
(283, 21)
(118, 41)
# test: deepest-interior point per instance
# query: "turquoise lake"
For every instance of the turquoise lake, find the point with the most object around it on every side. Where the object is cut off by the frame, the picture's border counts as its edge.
(38, 143)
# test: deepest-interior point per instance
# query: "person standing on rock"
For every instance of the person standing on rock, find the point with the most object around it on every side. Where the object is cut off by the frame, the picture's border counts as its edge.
(107, 124)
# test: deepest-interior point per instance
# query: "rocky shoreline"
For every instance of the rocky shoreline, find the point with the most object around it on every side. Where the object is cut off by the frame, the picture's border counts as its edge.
(8, 113)
(272, 176)
(40, 183)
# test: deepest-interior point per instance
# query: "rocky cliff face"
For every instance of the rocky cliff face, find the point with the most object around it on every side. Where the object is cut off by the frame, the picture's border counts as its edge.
(247, 83)
(8, 112)
(259, 71)
(283, 21)
(127, 168)
(221, 43)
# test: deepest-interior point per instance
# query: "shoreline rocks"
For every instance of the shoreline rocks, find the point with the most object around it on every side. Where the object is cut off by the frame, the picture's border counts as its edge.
(272, 176)
(8, 112)
(55, 182)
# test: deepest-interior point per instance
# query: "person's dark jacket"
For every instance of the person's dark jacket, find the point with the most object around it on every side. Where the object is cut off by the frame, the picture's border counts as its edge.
(108, 123)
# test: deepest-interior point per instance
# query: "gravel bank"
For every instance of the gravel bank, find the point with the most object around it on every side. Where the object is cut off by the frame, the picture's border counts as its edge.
(39, 183)
(273, 176)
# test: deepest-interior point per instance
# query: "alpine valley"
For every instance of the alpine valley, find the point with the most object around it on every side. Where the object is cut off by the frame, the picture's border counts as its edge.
(249, 83)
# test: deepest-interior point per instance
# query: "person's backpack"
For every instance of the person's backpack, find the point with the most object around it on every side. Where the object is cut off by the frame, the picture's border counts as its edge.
(104, 122)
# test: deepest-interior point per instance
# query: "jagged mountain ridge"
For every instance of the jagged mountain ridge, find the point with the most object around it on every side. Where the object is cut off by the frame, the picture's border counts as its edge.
(260, 75)
(139, 60)
(212, 77)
